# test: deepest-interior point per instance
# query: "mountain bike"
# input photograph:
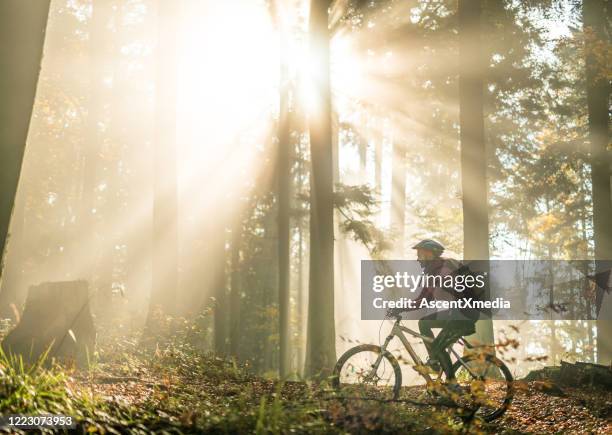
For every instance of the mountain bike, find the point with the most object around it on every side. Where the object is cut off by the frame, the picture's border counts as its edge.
(477, 380)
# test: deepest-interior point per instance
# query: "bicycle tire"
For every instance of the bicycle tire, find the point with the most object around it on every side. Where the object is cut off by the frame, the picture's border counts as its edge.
(368, 348)
(507, 377)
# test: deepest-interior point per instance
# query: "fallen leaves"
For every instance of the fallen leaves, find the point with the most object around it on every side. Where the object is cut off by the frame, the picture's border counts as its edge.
(535, 411)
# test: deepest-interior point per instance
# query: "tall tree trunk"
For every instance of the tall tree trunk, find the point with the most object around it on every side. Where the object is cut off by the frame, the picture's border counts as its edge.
(301, 303)
(473, 149)
(221, 323)
(22, 37)
(98, 70)
(377, 136)
(362, 145)
(284, 192)
(321, 346)
(594, 16)
(398, 196)
(269, 257)
(236, 289)
(115, 135)
(302, 276)
(553, 326)
(363, 158)
(165, 225)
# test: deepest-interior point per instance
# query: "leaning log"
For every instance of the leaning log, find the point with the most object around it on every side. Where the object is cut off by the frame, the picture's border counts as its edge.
(57, 321)
(581, 373)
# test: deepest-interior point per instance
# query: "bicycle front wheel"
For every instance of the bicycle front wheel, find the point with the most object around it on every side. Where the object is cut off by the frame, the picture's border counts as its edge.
(488, 382)
(362, 372)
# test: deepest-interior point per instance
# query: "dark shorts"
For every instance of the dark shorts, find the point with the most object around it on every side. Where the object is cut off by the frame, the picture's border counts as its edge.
(452, 329)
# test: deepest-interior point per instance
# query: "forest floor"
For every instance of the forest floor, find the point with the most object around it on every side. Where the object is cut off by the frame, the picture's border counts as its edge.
(136, 387)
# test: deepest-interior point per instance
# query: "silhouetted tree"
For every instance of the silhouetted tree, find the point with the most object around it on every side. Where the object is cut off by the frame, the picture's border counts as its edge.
(472, 136)
(398, 196)
(165, 220)
(22, 36)
(595, 15)
(321, 351)
(235, 330)
(284, 189)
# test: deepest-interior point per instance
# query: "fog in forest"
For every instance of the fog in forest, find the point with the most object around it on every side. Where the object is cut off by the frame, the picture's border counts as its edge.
(169, 139)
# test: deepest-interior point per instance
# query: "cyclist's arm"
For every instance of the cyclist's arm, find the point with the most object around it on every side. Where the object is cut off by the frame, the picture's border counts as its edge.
(426, 293)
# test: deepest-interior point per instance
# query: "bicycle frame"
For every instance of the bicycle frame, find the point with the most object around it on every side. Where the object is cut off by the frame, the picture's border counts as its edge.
(398, 331)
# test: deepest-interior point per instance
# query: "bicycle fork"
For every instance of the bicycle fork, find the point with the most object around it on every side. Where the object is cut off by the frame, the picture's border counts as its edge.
(376, 363)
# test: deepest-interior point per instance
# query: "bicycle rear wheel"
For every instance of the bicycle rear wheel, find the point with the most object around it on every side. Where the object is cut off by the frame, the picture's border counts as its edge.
(357, 375)
(488, 382)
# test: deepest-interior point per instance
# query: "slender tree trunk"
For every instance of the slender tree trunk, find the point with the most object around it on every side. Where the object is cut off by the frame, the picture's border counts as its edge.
(551, 301)
(585, 290)
(284, 192)
(398, 196)
(362, 146)
(363, 158)
(321, 346)
(591, 340)
(336, 147)
(165, 220)
(115, 134)
(22, 36)
(302, 277)
(473, 149)
(378, 158)
(269, 256)
(553, 348)
(221, 301)
(378, 150)
(236, 290)
(301, 303)
(98, 69)
(594, 16)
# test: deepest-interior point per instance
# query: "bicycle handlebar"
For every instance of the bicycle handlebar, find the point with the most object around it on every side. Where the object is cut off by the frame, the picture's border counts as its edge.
(393, 313)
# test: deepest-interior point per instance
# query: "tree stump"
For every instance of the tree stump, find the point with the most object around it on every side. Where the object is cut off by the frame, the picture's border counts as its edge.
(56, 318)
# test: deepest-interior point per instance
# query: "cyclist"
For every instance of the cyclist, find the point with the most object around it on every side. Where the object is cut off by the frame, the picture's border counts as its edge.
(454, 323)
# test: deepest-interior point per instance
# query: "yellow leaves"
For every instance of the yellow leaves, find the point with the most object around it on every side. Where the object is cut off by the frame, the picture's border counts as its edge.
(589, 45)
(600, 51)
(546, 137)
(544, 223)
(569, 172)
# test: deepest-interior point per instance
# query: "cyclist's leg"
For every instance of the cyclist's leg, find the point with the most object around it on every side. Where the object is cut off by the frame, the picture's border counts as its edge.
(426, 324)
(439, 345)
(452, 331)
(454, 326)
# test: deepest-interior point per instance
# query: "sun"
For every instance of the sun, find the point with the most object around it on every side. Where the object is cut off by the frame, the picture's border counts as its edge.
(228, 65)
(229, 70)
